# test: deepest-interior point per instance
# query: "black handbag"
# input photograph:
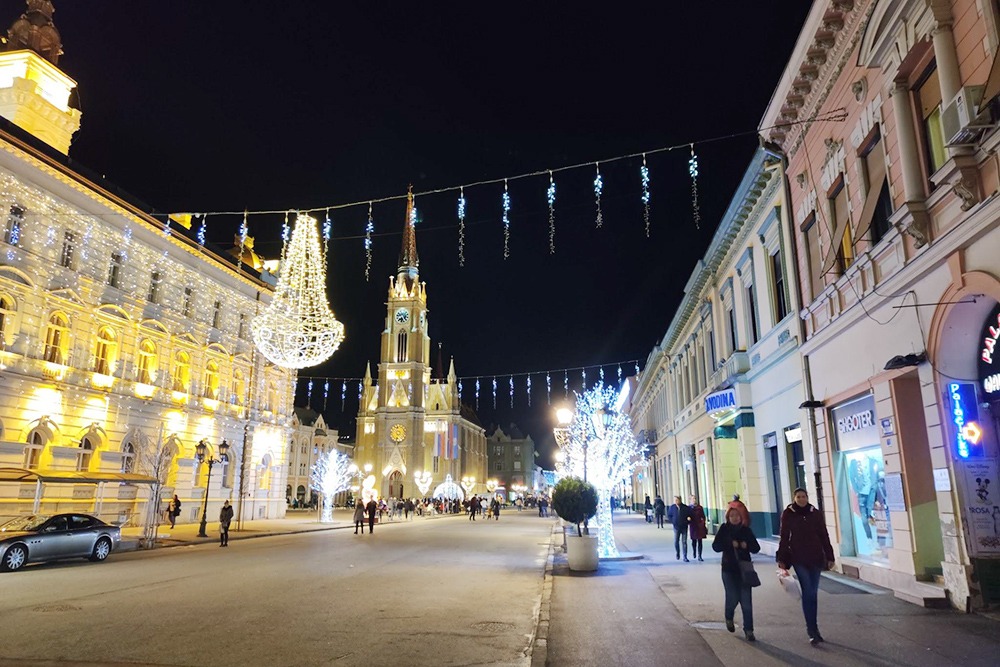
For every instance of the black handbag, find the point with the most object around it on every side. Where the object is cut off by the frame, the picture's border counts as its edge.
(749, 574)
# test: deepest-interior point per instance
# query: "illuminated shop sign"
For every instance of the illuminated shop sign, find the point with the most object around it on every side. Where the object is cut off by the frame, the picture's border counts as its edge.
(856, 422)
(720, 400)
(989, 367)
(965, 416)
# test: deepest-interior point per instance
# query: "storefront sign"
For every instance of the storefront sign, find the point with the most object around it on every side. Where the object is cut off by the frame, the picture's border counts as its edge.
(793, 434)
(855, 423)
(989, 371)
(982, 506)
(720, 401)
(894, 500)
(942, 479)
(965, 417)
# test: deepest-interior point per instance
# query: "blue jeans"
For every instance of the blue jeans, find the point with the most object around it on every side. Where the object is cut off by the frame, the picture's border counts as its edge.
(738, 594)
(809, 582)
(680, 540)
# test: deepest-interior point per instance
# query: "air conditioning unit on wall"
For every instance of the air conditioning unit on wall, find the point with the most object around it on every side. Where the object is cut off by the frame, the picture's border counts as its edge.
(963, 119)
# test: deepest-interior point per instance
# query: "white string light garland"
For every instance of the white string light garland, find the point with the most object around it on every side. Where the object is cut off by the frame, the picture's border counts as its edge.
(598, 187)
(550, 195)
(644, 175)
(506, 220)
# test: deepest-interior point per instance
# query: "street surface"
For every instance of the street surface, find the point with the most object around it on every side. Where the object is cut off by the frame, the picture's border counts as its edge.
(441, 591)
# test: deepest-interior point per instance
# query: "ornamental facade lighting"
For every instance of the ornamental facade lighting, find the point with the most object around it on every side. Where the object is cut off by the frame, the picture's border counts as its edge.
(468, 484)
(200, 450)
(423, 480)
(298, 329)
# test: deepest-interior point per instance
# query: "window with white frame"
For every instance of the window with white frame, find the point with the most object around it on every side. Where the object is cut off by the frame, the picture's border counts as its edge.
(57, 339)
(8, 311)
(217, 314)
(187, 305)
(15, 225)
(155, 280)
(146, 369)
(105, 351)
(85, 454)
(33, 450)
(67, 257)
(128, 457)
(115, 269)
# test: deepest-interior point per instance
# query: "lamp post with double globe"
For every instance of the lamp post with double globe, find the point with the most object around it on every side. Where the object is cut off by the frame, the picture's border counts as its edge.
(200, 450)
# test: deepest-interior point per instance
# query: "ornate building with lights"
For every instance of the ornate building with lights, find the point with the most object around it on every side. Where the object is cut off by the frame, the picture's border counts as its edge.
(409, 421)
(124, 342)
(312, 437)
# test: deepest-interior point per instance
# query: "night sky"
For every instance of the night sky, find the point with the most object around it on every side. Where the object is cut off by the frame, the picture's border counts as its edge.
(204, 106)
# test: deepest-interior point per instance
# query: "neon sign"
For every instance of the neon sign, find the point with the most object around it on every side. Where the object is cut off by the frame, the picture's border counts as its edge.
(965, 414)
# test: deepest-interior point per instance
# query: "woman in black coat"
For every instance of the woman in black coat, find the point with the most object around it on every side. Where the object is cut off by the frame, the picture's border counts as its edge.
(736, 542)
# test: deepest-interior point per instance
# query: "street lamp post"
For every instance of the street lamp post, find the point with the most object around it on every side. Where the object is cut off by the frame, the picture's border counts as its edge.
(200, 451)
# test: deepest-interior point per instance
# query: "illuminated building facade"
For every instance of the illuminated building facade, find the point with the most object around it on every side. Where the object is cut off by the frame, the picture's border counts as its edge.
(511, 456)
(123, 342)
(311, 438)
(410, 421)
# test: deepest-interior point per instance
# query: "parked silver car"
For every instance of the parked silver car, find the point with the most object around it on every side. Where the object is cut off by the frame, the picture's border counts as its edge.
(41, 537)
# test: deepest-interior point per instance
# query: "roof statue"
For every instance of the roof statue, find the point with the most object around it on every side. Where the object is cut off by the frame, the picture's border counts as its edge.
(36, 32)
(409, 263)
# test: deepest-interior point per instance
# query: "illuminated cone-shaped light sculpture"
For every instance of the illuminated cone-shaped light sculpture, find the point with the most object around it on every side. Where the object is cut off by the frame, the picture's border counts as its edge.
(600, 447)
(329, 476)
(297, 329)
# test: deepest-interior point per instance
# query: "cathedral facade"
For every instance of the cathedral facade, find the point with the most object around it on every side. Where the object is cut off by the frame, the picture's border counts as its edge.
(411, 420)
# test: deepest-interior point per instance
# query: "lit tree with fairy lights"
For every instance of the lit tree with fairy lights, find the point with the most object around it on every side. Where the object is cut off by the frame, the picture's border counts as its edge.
(600, 448)
(330, 475)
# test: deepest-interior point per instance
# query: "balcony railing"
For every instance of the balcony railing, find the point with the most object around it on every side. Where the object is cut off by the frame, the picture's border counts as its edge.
(736, 365)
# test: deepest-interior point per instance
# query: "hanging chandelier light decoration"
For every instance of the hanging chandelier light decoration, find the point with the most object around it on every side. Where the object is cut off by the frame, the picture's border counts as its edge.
(298, 329)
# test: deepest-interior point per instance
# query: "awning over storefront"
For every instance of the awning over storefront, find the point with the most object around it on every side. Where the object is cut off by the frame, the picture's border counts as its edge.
(72, 477)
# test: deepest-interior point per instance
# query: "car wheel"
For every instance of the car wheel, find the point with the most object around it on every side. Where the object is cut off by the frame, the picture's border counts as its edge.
(15, 558)
(101, 550)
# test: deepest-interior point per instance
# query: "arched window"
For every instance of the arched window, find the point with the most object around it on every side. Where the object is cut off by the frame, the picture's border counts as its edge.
(271, 402)
(300, 493)
(57, 339)
(8, 309)
(33, 450)
(239, 388)
(182, 372)
(265, 473)
(84, 455)
(227, 481)
(401, 347)
(147, 362)
(128, 457)
(211, 387)
(106, 351)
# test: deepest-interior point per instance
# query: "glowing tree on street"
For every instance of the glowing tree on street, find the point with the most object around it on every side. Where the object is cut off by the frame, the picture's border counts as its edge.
(601, 449)
(330, 475)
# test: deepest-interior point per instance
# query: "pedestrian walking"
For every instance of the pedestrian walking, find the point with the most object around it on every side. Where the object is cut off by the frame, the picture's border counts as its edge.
(225, 518)
(738, 505)
(496, 509)
(408, 509)
(648, 509)
(679, 515)
(174, 510)
(805, 547)
(736, 541)
(359, 517)
(660, 508)
(473, 508)
(697, 527)
(372, 508)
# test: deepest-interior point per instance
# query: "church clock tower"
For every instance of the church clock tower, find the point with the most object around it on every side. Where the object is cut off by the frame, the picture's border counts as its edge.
(408, 421)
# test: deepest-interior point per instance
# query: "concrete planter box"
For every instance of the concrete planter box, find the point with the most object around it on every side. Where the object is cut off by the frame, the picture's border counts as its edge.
(582, 553)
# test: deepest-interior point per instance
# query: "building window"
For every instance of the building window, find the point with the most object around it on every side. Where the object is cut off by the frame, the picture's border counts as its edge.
(498, 465)
(302, 468)
(498, 450)
(66, 258)
(840, 226)
(33, 450)
(752, 313)
(182, 372)
(115, 270)
(401, 347)
(733, 340)
(84, 455)
(8, 309)
(929, 98)
(811, 230)
(711, 349)
(242, 331)
(878, 202)
(780, 297)
(437, 464)
(147, 362)
(517, 465)
(128, 457)
(57, 339)
(227, 482)
(211, 389)
(188, 303)
(517, 450)
(105, 352)
(15, 225)
(155, 280)
(216, 314)
(239, 388)
(271, 401)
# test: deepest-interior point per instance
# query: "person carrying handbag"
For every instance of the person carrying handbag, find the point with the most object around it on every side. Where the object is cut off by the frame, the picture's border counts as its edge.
(736, 542)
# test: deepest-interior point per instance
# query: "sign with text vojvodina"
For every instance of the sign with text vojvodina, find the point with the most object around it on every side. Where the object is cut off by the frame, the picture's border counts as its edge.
(720, 401)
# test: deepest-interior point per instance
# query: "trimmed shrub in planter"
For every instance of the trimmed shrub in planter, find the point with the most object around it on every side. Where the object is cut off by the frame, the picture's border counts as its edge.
(575, 501)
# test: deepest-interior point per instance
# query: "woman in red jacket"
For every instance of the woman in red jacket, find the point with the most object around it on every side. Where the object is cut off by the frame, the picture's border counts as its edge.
(805, 546)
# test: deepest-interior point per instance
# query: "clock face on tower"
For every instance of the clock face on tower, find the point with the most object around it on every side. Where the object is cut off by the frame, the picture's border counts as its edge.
(397, 433)
(402, 316)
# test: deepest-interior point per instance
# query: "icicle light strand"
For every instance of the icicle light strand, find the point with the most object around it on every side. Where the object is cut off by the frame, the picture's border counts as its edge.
(598, 187)
(693, 170)
(551, 196)
(644, 173)
(461, 227)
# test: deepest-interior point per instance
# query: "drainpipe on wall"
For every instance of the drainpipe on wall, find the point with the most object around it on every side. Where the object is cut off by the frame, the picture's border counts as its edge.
(773, 150)
(248, 403)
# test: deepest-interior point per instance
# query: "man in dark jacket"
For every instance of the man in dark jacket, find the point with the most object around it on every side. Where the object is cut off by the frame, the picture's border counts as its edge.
(372, 508)
(660, 508)
(679, 515)
(225, 518)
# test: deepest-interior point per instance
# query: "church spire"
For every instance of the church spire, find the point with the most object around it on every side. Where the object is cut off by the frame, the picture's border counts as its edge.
(36, 32)
(408, 260)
